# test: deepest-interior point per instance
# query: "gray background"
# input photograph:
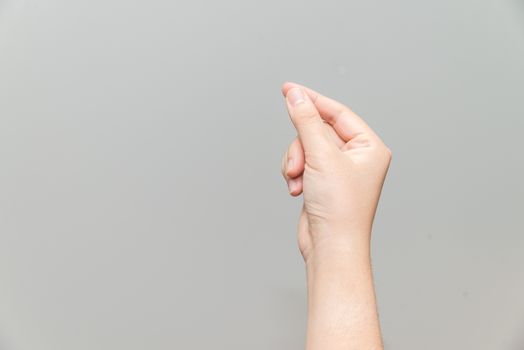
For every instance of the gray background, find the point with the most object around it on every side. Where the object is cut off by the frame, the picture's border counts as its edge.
(141, 204)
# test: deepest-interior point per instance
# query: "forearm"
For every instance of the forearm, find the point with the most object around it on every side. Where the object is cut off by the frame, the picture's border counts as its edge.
(342, 312)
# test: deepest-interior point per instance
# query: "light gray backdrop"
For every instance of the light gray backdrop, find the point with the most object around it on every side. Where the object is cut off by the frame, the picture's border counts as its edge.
(141, 204)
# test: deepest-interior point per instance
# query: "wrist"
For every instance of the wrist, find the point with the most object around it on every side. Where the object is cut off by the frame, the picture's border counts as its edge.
(339, 250)
(341, 301)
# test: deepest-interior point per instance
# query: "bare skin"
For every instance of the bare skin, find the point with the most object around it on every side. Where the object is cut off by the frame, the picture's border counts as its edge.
(339, 165)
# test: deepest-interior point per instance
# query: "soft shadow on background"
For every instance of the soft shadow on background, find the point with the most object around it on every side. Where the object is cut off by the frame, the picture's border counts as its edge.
(141, 204)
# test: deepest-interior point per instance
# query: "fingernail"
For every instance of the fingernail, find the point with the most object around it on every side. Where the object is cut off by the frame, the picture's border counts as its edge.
(292, 185)
(295, 96)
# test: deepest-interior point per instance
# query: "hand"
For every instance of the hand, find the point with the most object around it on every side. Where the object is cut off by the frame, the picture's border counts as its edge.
(339, 164)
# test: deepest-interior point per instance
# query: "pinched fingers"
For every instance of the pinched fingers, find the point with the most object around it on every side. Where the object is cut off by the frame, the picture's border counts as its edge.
(348, 125)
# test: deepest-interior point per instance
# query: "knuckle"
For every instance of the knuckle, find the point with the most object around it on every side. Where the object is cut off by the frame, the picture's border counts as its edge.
(382, 154)
(306, 114)
(388, 152)
(386, 155)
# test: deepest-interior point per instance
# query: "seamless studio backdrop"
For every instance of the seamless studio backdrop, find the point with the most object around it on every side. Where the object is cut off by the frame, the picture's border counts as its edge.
(141, 203)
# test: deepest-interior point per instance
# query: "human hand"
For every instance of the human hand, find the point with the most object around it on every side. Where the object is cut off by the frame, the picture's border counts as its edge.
(339, 164)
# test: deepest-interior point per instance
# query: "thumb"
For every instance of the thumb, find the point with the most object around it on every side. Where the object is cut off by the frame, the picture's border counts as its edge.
(308, 122)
